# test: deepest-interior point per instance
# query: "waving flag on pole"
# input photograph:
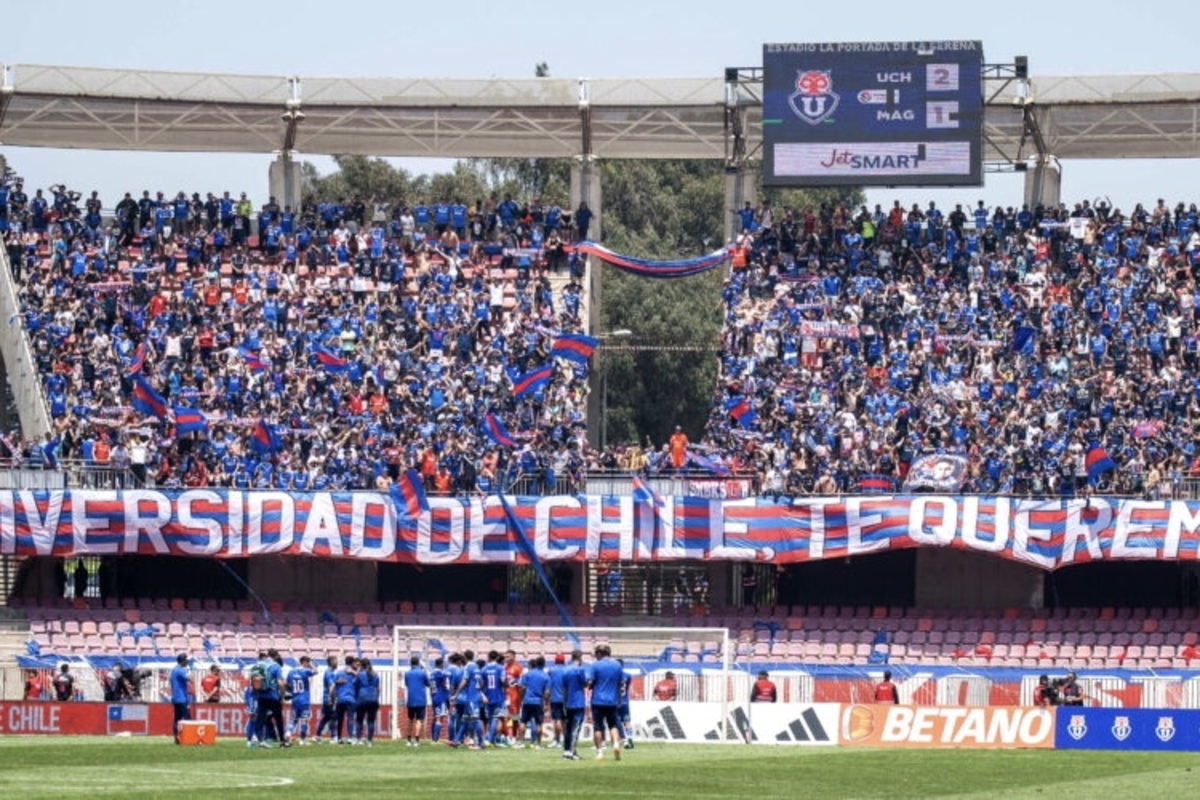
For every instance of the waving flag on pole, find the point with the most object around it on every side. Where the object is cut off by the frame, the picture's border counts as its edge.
(330, 360)
(139, 361)
(189, 420)
(740, 409)
(264, 440)
(527, 546)
(533, 382)
(146, 400)
(254, 362)
(1098, 462)
(408, 495)
(494, 429)
(644, 493)
(574, 347)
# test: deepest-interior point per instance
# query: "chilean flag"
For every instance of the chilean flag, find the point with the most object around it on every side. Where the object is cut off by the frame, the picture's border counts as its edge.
(148, 401)
(740, 409)
(139, 361)
(253, 361)
(1098, 462)
(264, 440)
(330, 360)
(574, 347)
(494, 429)
(533, 382)
(408, 495)
(189, 420)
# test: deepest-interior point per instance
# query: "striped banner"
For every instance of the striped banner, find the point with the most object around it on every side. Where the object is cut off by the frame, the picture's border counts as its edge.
(225, 523)
(680, 268)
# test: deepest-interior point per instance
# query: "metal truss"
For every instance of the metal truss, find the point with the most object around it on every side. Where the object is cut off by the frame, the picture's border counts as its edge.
(1155, 116)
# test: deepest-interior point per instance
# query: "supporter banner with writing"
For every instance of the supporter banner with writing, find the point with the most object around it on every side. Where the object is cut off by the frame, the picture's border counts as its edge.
(226, 523)
(828, 330)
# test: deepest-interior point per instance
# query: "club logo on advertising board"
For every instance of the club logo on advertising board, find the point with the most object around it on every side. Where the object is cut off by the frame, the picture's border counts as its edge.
(1166, 729)
(1121, 728)
(1077, 728)
(814, 99)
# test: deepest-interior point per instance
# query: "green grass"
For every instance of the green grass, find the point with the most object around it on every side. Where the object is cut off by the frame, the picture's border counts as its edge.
(133, 768)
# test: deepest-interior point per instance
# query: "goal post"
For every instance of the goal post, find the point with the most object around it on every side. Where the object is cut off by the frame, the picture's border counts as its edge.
(699, 658)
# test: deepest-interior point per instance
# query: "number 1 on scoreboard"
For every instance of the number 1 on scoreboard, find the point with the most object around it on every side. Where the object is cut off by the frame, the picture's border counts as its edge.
(942, 114)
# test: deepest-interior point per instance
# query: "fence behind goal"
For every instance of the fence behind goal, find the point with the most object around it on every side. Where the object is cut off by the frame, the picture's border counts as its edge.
(699, 658)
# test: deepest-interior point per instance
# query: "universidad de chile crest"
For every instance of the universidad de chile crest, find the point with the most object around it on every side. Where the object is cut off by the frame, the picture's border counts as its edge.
(814, 99)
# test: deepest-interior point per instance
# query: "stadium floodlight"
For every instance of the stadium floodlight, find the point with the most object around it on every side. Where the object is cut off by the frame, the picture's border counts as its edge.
(700, 658)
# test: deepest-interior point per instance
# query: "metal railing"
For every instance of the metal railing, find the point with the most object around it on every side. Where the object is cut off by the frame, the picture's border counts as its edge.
(18, 359)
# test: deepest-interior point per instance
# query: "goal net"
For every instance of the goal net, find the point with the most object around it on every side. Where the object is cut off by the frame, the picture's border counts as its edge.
(698, 659)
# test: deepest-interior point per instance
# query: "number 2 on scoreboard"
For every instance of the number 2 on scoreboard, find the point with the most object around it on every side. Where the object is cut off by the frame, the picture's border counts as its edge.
(941, 77)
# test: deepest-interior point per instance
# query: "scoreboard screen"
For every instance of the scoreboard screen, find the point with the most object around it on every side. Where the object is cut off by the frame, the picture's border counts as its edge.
(873, 114)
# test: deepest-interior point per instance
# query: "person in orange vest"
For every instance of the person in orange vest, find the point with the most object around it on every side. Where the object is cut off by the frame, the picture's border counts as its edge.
(885, 690)
(679, 444)
(666, 689)
(763, 690)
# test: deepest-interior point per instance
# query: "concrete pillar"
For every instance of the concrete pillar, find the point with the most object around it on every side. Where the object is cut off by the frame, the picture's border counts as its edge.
(739, 188)
(284, 181)
(585, 186)
(1043, 183)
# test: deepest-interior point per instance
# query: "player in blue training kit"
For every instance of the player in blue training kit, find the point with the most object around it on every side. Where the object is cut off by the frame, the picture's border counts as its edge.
(606, 677)
(416, 694)
(440, 681)
(328, 699)
(180, 697)
(345, 686)
(470, 689)
(299, 686)
(454, 677)
(494, 701)
(536, 684)
(624, 715)
(575, 699)
(250, 698)
(557, 697)
(366, 701)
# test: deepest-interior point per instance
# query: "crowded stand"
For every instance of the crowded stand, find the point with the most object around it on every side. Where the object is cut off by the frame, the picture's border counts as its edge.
(327, 347)
(1031, 341)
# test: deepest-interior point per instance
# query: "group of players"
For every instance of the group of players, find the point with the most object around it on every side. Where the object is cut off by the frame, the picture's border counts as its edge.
(473, 702)
(497, 702)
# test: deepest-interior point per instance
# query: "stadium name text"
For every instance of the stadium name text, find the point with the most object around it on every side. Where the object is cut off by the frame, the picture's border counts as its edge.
(217, 523)
(920, 48)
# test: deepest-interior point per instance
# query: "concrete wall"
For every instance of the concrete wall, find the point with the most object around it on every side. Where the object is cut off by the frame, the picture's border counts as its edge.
(294, 579)
(955, 579)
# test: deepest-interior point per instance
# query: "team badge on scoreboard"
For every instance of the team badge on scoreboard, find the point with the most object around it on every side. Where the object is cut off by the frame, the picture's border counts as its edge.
(1166, 729)
(1121, 729)
(814, 99)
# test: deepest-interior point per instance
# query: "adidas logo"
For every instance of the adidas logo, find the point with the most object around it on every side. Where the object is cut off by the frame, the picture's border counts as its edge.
(737, 728)
(806, 728)
(665, 726)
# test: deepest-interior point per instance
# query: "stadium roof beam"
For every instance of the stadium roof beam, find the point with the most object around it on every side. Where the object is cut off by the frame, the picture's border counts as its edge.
(1123, 116)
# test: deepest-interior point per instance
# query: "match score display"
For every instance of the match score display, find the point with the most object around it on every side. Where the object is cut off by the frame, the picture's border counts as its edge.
(873, 114)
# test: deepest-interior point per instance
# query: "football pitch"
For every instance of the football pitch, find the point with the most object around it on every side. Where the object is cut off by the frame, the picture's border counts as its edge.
(135, 767)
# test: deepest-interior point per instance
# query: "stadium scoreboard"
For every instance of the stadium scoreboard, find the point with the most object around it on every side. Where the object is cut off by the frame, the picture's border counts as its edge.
(873, 114)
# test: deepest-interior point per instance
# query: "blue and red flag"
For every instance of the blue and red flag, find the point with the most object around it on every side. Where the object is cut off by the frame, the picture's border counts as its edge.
(1098, 462)
(254, 362)
(408, 495)
(330, 360)
(148, 401)
(644, 493)
(139, 361)
(264, 440)
(574, 347)
(494, 429)
(740, 409)
(707, 464)
(189, 420)
(533, 382)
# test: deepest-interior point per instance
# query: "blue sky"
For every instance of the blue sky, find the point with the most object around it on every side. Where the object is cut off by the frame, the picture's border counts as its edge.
(618, 38)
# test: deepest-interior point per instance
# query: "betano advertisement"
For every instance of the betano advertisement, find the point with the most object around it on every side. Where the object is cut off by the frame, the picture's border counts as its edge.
(980, 727)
